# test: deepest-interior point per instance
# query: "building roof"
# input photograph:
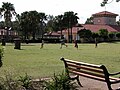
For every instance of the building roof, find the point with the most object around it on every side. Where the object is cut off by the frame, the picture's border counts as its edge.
(104, 13)
(94, 28)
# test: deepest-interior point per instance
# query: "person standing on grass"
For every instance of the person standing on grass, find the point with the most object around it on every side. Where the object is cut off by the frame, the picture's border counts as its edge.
(76, 44)
(63, 43)
(42, 44)
(96, 43)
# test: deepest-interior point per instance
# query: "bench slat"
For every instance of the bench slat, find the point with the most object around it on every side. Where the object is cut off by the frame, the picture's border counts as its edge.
(99, 70)
(89, 76)
(87, 73)
(82, 63)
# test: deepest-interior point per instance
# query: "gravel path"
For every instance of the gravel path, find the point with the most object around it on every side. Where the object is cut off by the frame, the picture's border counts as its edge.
(90, 84)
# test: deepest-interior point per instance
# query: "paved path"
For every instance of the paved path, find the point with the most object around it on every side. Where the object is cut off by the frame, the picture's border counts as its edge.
(90, 84)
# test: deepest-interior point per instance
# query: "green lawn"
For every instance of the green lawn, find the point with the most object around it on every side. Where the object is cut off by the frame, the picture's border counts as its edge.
(45, 62)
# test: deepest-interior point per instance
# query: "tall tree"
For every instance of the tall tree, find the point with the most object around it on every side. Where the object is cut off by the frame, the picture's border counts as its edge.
(70, 19)
(33, 17)
(104, 2)
(50, 26)
(42, 19)
(59, 23)
(89, 20)
(30, 23)
(24, 24)
(7, 11)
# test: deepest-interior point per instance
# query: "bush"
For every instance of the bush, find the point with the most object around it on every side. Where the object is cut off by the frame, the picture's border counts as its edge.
(60, 82)
(1, 56)
(25, 80)
(9, 83)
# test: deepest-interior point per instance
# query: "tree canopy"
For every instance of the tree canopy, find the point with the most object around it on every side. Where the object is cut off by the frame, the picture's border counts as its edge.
(104, 2)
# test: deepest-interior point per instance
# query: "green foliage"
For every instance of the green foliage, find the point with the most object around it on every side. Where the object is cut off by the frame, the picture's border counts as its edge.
(70, 19)
(95, 35)
(103, 33)
(111, 35)
(9, 83)
(85, 33)
(1, 55)
(118, 34)
(26, 83)
(89, 20)
(2, 84)
(59, 82)
(7, 11)
(106, 2)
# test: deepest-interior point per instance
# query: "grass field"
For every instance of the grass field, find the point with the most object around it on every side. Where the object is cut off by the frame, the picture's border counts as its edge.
(45, 62)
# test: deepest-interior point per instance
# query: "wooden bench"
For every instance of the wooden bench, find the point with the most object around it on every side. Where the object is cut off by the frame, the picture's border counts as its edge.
(97, 72)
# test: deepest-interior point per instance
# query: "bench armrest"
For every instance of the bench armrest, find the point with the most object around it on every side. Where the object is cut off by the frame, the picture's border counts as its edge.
(112, 74)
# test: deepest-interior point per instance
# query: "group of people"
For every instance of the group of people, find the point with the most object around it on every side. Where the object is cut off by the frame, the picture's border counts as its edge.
(62, 44)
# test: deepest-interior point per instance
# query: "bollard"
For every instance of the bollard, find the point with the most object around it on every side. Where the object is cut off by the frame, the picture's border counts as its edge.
(3, 42)
(17, 43)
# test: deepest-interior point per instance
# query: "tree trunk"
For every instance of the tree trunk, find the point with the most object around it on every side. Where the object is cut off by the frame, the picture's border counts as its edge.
(71, 37)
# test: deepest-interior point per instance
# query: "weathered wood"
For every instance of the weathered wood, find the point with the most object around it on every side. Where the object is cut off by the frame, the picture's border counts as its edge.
(97, 72)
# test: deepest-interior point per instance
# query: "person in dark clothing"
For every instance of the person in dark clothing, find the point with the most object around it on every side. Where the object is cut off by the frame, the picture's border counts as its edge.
(63, 43)
(42, 44)
(76, 44)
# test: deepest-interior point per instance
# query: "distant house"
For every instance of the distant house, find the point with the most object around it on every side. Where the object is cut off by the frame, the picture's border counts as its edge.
(101, 20)
(52, 37)
(11, 34)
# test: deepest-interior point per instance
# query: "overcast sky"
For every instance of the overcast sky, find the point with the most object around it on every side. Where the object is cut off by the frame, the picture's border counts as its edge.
(84, 8)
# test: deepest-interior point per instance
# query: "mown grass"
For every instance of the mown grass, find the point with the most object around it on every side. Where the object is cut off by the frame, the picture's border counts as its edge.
(45, 62)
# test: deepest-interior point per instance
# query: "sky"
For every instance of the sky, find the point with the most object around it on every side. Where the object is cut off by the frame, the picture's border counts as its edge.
(84, 8)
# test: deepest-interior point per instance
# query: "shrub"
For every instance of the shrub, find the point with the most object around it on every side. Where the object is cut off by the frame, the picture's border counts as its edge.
(26, 81)
(9, 83)
(60, 82)
(1, 55)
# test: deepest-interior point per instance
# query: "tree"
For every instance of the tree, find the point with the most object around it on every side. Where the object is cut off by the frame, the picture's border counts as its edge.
(42, 19)
(33, 18)
(70, 19)
(85, 34)
(50, 24)
(24, 24)
(59, 23)
(95, 35)
(89, 20)
(107, 2)
(7, 11)
(103, 33)
(2, 24)
(30, 23)
(118, 35)
(111, 35)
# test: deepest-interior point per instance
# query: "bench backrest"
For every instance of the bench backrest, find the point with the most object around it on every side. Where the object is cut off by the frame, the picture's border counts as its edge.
(97, 72)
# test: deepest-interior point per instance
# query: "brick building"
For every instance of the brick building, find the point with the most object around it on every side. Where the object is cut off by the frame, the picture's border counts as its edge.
(101, 20)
